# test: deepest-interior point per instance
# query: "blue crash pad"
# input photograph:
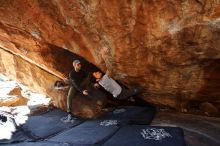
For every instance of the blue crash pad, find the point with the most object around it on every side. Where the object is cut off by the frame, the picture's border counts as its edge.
(131, 114)
(88, 133)
(48, 124)
(142, 135)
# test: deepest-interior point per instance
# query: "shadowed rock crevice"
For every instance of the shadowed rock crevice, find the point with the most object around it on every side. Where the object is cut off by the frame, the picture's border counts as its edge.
(61, 59)
(211, 86)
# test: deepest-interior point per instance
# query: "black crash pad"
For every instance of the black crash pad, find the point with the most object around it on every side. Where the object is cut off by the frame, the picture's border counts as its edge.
(131, 114)
(18, 136)
(88, 133)
(142, 135)
(48, 124)
(43, 143)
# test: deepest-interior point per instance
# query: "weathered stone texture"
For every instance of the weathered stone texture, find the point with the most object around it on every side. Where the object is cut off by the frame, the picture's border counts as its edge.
(169, 47)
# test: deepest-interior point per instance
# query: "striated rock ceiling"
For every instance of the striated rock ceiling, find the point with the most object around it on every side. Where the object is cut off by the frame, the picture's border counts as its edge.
(169, 47)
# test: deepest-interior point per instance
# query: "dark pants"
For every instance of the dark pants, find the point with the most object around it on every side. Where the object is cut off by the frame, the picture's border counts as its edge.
(126, 93)
(72, 92)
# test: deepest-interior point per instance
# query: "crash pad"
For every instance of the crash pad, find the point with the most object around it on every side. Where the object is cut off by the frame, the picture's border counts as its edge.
(143, 135)
(131, 114)
(42, 143)
(18, 136)
(91, 132)
(47, 124)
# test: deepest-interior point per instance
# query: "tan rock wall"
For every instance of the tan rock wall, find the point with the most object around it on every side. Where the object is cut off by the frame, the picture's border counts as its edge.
(169, 47)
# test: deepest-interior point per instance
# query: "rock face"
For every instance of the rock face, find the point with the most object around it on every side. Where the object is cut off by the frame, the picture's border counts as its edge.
(41, 81)
(14, 98)
(169, 47)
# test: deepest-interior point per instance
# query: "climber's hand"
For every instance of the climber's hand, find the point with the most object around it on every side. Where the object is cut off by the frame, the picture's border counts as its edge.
(85, 92)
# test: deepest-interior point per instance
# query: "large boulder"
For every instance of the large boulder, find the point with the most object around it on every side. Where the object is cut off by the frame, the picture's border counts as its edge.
(169, 47)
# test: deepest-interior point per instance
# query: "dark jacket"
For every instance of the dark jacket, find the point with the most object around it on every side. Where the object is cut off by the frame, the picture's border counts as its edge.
(76, 79)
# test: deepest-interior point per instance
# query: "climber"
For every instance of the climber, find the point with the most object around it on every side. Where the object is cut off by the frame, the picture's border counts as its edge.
(79, 81)
(110, 85)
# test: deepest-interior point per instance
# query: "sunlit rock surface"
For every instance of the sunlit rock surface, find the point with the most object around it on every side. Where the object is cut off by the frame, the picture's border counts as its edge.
(14, 94)
(170, 48)
(13, 98)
